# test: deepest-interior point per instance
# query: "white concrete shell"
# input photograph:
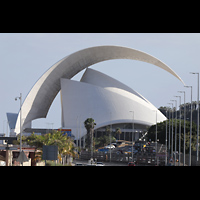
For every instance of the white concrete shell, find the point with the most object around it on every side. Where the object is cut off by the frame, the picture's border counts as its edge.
(38, 101)
(104, 99)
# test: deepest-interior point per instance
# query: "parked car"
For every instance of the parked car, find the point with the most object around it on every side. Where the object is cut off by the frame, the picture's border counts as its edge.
(79, 164)
(110, 146)
(103, 150)
(100, 164)
(119, 151)
(131, 164)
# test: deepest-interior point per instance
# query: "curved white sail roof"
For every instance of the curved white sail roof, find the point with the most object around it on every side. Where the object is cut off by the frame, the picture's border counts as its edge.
(107, 105)
(38, 101)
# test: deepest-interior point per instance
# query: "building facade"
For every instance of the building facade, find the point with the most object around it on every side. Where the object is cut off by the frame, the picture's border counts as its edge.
(110, 100)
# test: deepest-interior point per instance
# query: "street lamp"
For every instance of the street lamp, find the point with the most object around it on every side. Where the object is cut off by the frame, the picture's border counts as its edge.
(179, 158)
(20, 98)
(156, 139)
(166, 141)
(169, 130)
(184, 130)
(132, 133)
(175, 130)
(190, 126)
(172, 130)
(110, 132)
(197, 114)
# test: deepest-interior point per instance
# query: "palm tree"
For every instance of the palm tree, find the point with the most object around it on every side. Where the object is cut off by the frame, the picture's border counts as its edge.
(118, 131)
(64, 143)
(68, 150)
(89, 124)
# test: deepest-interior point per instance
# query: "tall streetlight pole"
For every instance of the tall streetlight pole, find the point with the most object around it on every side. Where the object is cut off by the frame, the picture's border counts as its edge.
(110, 132)
(190, 126)
(197, 114)
(175, 130)
(156, 140)
(184, 129)
(169, 131)
(166, 142)
(132, 133)
(179, 144)
(20, 98)
(172, 130)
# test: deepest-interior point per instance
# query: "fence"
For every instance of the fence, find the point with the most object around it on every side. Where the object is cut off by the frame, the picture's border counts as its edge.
(193, 159)
(139, 158)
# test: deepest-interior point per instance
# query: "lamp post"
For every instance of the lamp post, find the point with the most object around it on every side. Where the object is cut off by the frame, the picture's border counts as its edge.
(184, 130)
(172, 130)
(132, 132)
(20, 98)
(175, 130)
(166, 142)
(179, 157)
(169, 131)
(156, 140)
(169, 127)
(110, 132)
(197, 114)
(190, 126)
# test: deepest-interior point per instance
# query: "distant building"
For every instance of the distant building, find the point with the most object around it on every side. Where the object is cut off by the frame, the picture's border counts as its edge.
(97, 95)
(107, 101)
(2, 135)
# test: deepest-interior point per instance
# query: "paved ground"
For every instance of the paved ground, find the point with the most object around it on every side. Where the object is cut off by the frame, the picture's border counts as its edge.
(85, 162)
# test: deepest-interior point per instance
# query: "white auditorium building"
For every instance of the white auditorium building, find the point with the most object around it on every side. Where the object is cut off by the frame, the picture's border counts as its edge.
(96, 95)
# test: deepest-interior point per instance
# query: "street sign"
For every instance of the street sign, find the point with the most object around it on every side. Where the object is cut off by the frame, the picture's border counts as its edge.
(50, 152)
(22, 157)
(171, 160)
(8, 148)
(66, 131)
(9, 140)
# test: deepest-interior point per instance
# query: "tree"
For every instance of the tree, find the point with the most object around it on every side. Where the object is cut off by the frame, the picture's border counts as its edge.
(65, 144)
(89, 124)
(118, 131)
(161, 132)
(188, 111)
(103, 140)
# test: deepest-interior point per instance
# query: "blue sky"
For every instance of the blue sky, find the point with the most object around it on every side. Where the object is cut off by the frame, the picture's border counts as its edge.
(25, 57)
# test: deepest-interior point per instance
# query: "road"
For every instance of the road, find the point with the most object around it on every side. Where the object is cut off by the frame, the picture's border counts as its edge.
(85, 162)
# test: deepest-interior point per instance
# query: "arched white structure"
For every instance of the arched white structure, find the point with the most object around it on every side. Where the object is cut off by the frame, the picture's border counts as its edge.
(106, 100)
(38, 101)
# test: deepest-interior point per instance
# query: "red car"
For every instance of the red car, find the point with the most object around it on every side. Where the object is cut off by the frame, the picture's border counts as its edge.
(131, 164)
